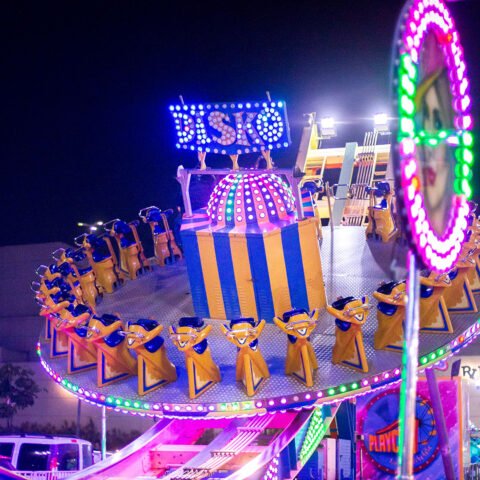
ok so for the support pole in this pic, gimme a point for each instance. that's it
(183, 178)
(295, 186)
(104, 433)
(441, 426)
(79, 418)
(408, 391)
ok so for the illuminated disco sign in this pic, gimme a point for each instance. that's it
(232, 128)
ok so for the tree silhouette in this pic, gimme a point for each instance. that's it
(18, 391)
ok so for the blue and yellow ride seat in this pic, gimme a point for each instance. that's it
(155, 215)
(100, 248)
(123, 228)
(426, 291)
(57, 282)
(147, 324)
(340, 305)
(452, 274)
(192, 322)
(250, 321)
(381, 190)
(115, 338)
(76, 311)
(386, 289)
(195, 322)
(288, 315)
(80, 259)
(62, 297)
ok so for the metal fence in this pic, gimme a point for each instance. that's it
(46, 475)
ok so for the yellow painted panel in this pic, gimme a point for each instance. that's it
(277, 272)
(312, 264)
(243, 276)
(211, 278)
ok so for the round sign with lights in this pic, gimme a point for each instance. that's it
(433, 157)
(380, 432)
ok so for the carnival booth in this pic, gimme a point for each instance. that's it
(252, 346)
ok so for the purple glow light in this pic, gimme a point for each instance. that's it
(438, 253)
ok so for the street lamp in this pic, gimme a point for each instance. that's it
(93, 227)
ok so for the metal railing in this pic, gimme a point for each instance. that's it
(47, 475)
(472, 472)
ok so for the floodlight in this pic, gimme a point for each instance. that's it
(327, 127)
(380, 122)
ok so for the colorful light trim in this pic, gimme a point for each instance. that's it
(272, 470)
(231, 128)
(240, 200)
(437, 253)
(317, 428)
(254, 407)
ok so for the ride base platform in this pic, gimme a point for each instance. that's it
(349, 268)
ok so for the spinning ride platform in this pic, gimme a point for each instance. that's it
(349, 268)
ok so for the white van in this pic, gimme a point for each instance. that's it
(33, 454)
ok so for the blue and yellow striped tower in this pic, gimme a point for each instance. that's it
(248, 256)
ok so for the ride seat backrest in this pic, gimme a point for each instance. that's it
(426, 291)
(155, 343)
(79, 259)
(154, 215)
(125, 230)
(146, 323)
(236, 321)
(100, 248)
(291, 313)
(193, 322)
(342, 302)
(387, 308)
(107, 319)
(386, 288)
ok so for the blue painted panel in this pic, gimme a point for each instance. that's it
(195, 274)
(294, 266)
(261, 279)
(227, 276)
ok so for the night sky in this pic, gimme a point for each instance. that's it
(86, 87)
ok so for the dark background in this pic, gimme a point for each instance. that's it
(85, 89)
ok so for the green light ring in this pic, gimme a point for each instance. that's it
(253, 407)
(424, 16)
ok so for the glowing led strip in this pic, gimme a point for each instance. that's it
(317, 429)
(438, 253)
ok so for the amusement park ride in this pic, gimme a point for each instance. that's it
(245, 349)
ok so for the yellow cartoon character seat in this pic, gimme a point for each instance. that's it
(154, 367)
(132, 257)
(301, 361)
(85, 274)
(166, 248)
(350, 314)
(190, 337)
(390, 316)
(434, 316)
(114, 361)
(251, 367)
(103, 260)
(73, 322)
(381, 221)
(53, 297)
